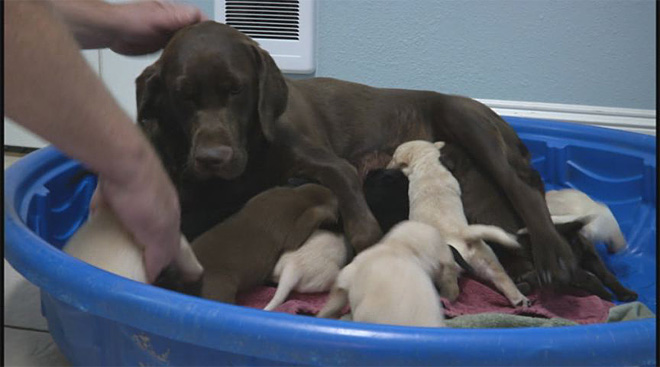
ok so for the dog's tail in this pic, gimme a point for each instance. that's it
(288, 280)
(336, 301)
(476, 232)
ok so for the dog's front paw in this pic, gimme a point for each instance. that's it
(553, 259)
(626, 296)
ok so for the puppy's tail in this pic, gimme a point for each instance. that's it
(336, 301)
(476, 232)
(288, 280)
(605, 228)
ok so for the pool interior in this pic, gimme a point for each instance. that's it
(626, 183)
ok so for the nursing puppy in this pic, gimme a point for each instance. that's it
(241, 252)
(103, 241)
(435, 198)
(312, 268)
(563, 204)
(386, 193)
(392, 282)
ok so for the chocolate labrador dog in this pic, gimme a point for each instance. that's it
(485, 203)
(228, 125)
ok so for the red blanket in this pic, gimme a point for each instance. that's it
(474, 298)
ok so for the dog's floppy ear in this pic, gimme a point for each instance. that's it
(273, 92)
(149, 92)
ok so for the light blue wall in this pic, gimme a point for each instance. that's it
(591, 52)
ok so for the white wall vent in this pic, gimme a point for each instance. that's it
(285, 28)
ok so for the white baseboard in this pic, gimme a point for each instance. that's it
(640, 121)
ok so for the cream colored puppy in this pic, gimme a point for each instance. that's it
(565, 205)
(392, 282)
(103, 241)
(435, 198)
(312, 268)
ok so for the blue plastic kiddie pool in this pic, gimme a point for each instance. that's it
(97, 318)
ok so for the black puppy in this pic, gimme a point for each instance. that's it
(386, 192)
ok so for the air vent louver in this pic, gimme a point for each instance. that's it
(285, 28)
(265, 19)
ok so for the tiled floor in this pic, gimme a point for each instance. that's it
(27, 341)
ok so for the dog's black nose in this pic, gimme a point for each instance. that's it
(213, 157)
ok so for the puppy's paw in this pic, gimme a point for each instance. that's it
(524, 303)
(450, 291)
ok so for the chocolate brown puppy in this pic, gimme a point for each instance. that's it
(241, 252)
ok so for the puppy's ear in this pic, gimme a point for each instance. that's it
(273, 92)
(149, 91)
(439, 144)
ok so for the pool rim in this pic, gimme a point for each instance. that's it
(236, 329)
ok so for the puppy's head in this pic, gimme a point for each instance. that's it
(407, 153)
(215, 91)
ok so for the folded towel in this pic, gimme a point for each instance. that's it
(629, 312)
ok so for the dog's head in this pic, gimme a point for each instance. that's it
(407, 153)
(212, 92)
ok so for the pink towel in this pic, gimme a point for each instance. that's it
(474, 298)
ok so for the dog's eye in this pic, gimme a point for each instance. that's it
(236, 89)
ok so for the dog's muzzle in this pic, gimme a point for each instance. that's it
(213, 158)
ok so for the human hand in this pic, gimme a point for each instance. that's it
(144, 27)
(148, 207)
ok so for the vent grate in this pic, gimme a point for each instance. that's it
(270, 19)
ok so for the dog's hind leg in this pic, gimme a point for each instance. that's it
(592, 262)
(590, 283)
(219, 287)
(337, 299)
(288, 280)
(495, 147)
(487, 267)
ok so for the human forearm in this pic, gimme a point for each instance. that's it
(61, 99)
(90, 21)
